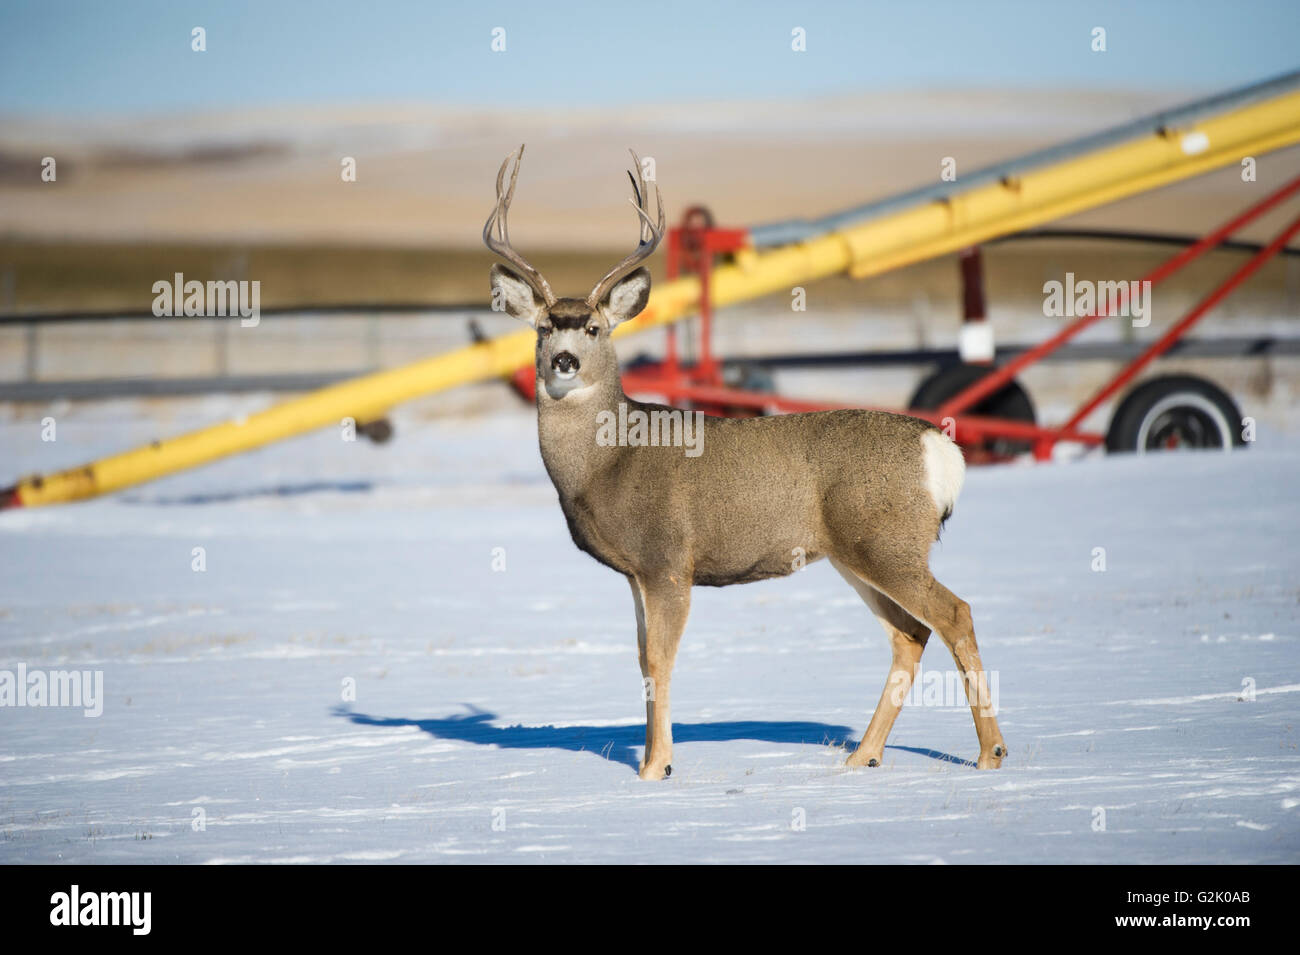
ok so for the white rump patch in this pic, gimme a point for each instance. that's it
(945, 469)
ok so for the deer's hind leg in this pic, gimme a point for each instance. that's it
(913, 588)
(907, 637)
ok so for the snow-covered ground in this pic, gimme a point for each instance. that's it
(497, 713)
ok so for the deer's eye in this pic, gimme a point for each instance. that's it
(544, 330)
(593, 330)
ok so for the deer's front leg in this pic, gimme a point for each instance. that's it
(662, 604)
(644, 661)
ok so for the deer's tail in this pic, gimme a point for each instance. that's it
(945, 470)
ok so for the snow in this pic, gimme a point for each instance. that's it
(497, 713)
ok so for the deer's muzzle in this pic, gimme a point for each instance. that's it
(565, 364)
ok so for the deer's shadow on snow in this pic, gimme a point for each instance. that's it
(620, 744)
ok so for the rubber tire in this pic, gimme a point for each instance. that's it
(1159, 396)
(379, 430)
(747, 376)
(1011, 401)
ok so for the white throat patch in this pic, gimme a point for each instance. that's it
(571, 385)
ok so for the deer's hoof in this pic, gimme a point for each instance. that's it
(649, 771)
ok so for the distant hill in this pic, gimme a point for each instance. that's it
(425, 174)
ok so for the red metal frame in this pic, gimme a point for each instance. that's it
(694, 244)
(991, 383)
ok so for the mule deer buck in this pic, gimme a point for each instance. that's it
(865, 489)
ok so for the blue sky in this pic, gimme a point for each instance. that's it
(78, 56)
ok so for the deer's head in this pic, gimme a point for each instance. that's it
(574, 349)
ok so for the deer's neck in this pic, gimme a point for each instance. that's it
(567, 428)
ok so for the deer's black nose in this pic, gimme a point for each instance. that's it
(566, 363)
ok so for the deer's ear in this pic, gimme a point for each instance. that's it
(627, 298)
(512, 295)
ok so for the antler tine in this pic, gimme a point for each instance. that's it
(649, 233)
(648, 230)
(498, 222)
(637, 203)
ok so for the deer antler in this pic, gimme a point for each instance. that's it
(650, 233)
(500, 242)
